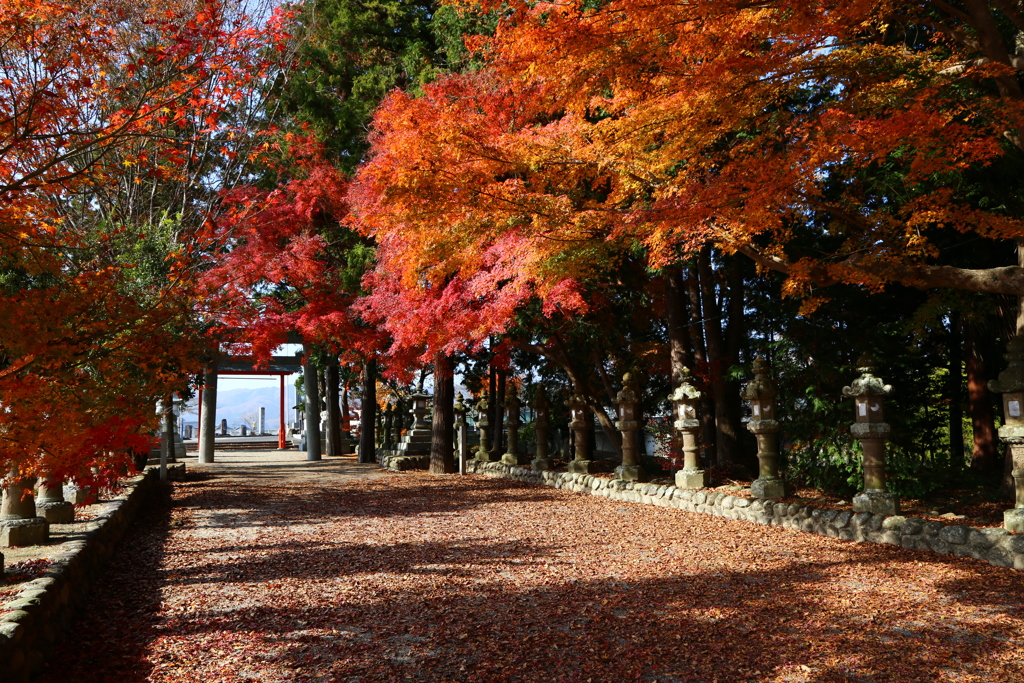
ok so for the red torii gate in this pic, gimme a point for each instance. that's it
(279, 365)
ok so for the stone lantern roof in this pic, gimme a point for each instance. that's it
(867, 384)
(762, 387)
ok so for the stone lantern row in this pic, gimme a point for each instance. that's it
(761, 393)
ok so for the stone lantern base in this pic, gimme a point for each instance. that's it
(57, 512)
(513, 459)
(541, 464)
(877, 502)
(691, 479)
(486, 456)
(1013, 520)
(583, 466)
(631, 473)
(768, 488)
(77, 495)
(21, 532)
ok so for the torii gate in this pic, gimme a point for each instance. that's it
(233, 365)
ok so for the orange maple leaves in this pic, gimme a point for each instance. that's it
(598, 129)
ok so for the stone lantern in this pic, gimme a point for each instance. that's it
(512, 405)
(580, 424)
(629, 424)
(418, 438)
(686, 397)
(761, 393)
(541, 422)
(1011, 385)
(483, 422)
(419, 411)
(462, 432)
(870, 428)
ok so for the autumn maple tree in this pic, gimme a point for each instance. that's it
(96, 100)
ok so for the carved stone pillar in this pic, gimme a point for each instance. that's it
(512, 406)
(541, 423)
(580, 424)
(483, 408)
(629, 424)
(686, 398)
(871, 429)
(761, 393)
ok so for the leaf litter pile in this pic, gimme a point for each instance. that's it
(414, 577)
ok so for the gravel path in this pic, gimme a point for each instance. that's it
(263, 567)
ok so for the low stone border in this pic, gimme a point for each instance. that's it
(401, 463)
(34, 619)
(995, 546)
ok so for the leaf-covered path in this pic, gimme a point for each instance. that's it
(267, 568)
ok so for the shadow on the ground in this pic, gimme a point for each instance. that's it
(710, 624)
(120, 616)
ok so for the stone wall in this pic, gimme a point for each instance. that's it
(995, 546)
(36, 617)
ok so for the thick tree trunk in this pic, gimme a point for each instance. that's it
(700, 361)
(956, 380)
(679, 352)
(208, 422)
(726, 446)
(985, 457)
(999, 280)
(442, 455)
(368, 417)
(331, 382)
(311, 384)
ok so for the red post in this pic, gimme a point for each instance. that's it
(281, 443)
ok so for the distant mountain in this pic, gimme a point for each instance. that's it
(235, 404)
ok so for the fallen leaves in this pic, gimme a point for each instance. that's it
(342, 579)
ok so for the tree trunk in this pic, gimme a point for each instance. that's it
(725, 429)
(735, 348)
(333, 411)
(956, 380)
(442, 455)
(679, 352)
(368, 417)
(985, 458)
(208, 421)
(311, 383)
(700, 363)
(498, 419)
